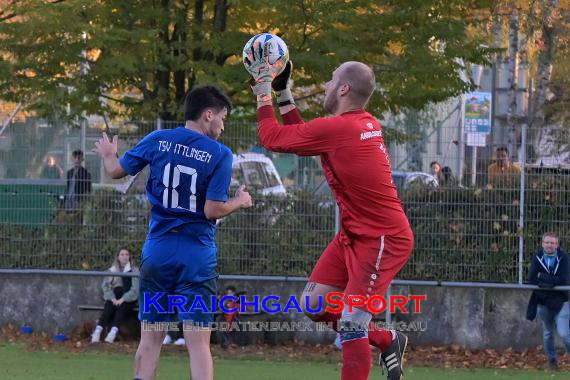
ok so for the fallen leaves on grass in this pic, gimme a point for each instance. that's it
(454, 356)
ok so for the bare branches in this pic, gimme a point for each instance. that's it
(125, 100)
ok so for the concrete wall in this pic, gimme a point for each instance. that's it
(474, 318)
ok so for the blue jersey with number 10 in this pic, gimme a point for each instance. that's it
(186, 168)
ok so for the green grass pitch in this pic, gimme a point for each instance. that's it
(18, 364)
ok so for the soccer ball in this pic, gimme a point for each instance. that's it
(266, 45)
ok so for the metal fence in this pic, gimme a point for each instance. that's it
(468, 225)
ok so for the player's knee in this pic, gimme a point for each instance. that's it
(354, 325)
(144, 349)
(150, 340)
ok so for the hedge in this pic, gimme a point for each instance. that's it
(464, 234)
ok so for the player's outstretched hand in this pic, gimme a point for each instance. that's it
(260, 69)
(244, 197)
(104, 147)
(261, 73)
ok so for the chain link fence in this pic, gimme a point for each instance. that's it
(471, 222)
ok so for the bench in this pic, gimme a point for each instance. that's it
(98, 307)
(131, 329)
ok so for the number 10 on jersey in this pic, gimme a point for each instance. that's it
(173, 183)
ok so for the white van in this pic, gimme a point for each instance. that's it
(256, 172)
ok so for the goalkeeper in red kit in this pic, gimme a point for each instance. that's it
(375, 239)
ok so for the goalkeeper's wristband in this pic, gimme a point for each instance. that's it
(262, 91)
(285, 103)
(285, 98)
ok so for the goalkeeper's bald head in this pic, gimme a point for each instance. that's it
(361, 80)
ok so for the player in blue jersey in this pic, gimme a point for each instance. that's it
(187, 187)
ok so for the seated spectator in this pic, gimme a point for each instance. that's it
(229, 317)
(175, 336)
(120, 295)
(503, 174)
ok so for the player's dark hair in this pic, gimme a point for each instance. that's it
(433, 163)
(77, 153)
(202, 98)
(503, 149)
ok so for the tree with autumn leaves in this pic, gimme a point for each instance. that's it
(137, 59)
(533, 41)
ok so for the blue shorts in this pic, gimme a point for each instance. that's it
(177, 264)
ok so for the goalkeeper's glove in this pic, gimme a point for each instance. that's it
(262, 86)
(282, 86)
(261, 72)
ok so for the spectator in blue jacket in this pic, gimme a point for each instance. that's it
(550, 268)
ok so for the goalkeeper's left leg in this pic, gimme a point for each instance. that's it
(353, 329)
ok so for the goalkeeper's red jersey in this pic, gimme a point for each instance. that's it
(355, 163)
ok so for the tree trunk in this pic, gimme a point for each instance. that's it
(221, 15)
(522, 93)
(163, 74)
(545, 39)
(548, 32)
(198, 20)
(512, 64)
(179, 39)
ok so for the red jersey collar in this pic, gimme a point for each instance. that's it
(358, 110)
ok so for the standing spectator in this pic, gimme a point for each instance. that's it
(447, 177)
(550, 268)
(435, 168)
(503, 173)
(52, 170)
(120, 295)
(78, 182)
